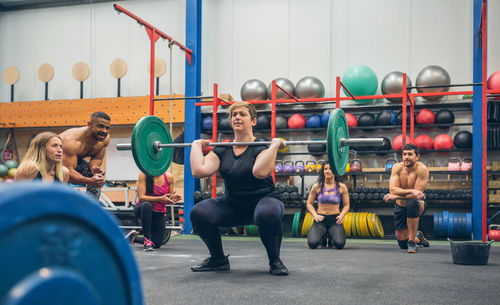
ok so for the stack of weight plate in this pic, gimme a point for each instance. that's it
(453, 225)
(363, 225)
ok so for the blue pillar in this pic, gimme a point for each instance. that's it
(192, 114)
(477, 130)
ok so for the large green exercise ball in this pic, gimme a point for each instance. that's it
(360, 80)
(4, 170)
(11, 164)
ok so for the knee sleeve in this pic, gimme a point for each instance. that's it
(412, 208)
(403, 244)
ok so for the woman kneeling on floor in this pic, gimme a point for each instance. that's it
(331, 195)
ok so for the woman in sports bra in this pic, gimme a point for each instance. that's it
(43, 160)
(153, 193)
(332, 196)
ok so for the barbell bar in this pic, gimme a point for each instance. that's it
(152, 146)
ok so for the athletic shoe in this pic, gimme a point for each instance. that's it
(277, 268)
(212, 264)
(131, 237)
(412, 248)
(148, 245)
(423, 241)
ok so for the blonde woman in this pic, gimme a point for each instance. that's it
(43, 160)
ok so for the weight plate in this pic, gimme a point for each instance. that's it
(461, 225)
(371, 226)
(362, 224)
(445, 225)
(440, 224)
(353, 225)
(347, 224)
(147, 131)
(295, 224)
(435, 219)
(337, 129)
(378, 226)
(450, 225)
(469, 225)
(365, 224)
(61, 228)
(308, 221)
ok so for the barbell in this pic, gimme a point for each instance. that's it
(152, 146)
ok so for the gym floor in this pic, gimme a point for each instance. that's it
(365, 272)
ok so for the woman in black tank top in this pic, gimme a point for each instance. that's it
(43, 160)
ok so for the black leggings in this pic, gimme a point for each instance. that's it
(318, 231)
(153, 223)
(267, 214)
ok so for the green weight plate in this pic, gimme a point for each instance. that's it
(295, 224)
(147, 131)
(338, 156)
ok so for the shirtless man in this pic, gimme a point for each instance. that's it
(90, 141)
(406, 186)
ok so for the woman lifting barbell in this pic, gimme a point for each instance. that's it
(328, 218)
(250, 193)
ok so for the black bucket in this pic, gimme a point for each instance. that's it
(470, 252)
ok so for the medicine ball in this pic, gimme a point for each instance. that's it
(281, 122)
(386, 117)
(313, 121)
(206, 123)
(425, 116)
(223, 123)
(317, 149)
(443, 141)
(325, 117)
(366, 119)
(297, 121)
(444, 116)
(384, 149)
(263, 121)
(423, 142)
(399, 118)
(397, 143)
(463, 139)
(351, 120)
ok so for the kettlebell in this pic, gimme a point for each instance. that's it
(278, 166)
(319, 165)
(310, 166)
(288, 167)
(494, 232)
(466, 164)
(356, 166)
(348, 167)
(454, 165)
(389, 164)
(299, 167)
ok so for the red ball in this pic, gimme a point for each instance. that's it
(493, 82)
(423, 142)
(425, 116)
(397, 143)
(297, 121)
(352, 121)
(443, 141)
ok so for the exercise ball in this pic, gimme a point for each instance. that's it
(12, 172)
(284, 150)
(443, 141)
(423, 142)
(493, 82)
(263, 121)
(433, 76)
(281, 122)
(224, 123)
(385, 148)
(313, 121)
(253, 90)
(283, 83)
(366, 119)
(444, 116)
(4, 170)
(11, 164)
(386, 117)
(297, 121)
(206, 123)
(360, 80)
(393, 84)
(397, 143)
(352, 121)
(8, 181)
(317, 149)
(425, 117)
(309, 87)
(463, 139)
(325, 118)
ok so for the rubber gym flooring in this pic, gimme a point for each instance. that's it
(365, 272)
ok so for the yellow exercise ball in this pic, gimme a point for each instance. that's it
(12, 172)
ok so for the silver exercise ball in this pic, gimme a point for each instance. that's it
(433, 76)
(253, 90)
(309, 87)
(393, 84)
(283, 83)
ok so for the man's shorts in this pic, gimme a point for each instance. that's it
(400, 216)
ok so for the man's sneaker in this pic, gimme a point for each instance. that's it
(423, 241)
(148, 245)
(212, 264)
(131, 237)
(277, 268)
(412, 248)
